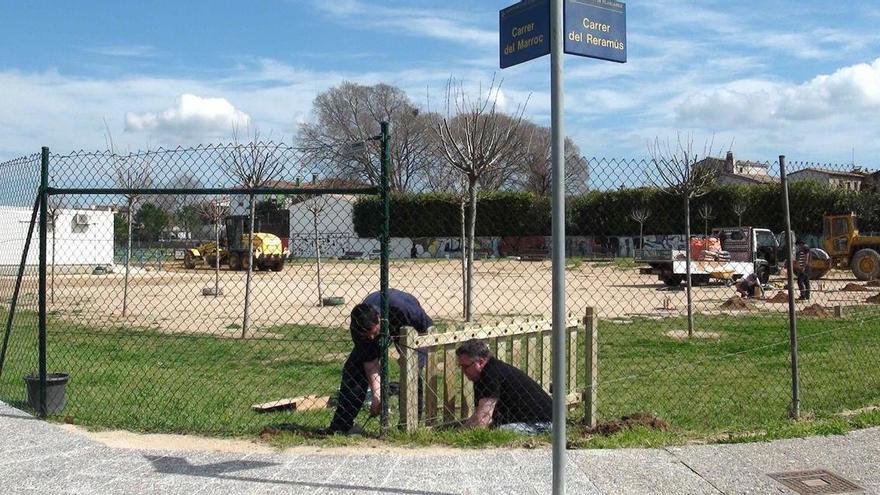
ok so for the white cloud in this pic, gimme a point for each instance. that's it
(853, 90)
(193, 116)
(456, 26)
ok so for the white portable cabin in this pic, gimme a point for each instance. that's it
(82, 237)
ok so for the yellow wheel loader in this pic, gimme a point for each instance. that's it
(849, 249)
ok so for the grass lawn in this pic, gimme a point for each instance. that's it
(733, 388)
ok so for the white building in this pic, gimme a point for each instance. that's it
(334, 214)
(730, 171)
(81, 237)
(834, 178)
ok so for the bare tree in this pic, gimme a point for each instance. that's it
(739, 208)
(215, 211)
(441, 181)
(316, 207)
(641, 215)
(706, 213)
(131, 171)
(183, 207)
(251, 165)
(474, 136)
(532, 166)
(678, 174)
(352, 113)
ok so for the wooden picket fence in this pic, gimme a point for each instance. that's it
(525, 344)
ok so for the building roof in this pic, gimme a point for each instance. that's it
(758, 171)
(838, 173)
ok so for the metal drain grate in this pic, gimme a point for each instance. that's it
(816, 482)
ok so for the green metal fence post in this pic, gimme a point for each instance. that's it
(383, 269)
(44, 205)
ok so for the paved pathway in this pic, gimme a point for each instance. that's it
(37, 457)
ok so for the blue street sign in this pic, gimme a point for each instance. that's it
(525, 32)
(596, 29)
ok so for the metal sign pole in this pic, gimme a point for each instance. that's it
(795, 410)
(558, 244)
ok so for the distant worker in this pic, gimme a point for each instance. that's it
(505, 397)
(801, 267)
(750, 286)
(361, 370)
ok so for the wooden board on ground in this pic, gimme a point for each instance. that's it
(305, 403)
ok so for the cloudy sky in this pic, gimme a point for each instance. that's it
(793, 77)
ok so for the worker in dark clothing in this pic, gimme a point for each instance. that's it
(801, 267)
(505, 397)
(361, 370)
(750, 286)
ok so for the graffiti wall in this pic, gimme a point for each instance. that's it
(347, 246)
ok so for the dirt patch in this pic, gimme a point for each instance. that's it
(683, 335)
(644, 419)
(780, 297)
(738, 304)
(855, 412)
(854, 288)
(873, 299)
(128, 440)
(815, 311)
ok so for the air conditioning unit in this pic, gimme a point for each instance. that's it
(81, 219)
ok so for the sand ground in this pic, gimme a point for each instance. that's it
(171, 300)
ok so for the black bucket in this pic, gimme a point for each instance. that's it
(56, 391)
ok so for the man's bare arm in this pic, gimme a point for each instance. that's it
(371, 369)
(482, 417)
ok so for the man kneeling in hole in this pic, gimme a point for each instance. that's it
(506, 397)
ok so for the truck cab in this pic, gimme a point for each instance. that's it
(752, 245)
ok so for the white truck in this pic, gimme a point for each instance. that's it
(743, 251)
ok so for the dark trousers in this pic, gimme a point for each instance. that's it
(803, 282)
(352, 394)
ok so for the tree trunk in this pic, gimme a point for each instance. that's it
(641, 236)
(472, 230)
(462, 243)
(250, 271)
(740, 220)
(318, 260)
(687, 264)
(217, 256)
(127, 263)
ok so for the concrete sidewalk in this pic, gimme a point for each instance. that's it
(37, 457)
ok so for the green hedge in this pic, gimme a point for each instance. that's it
(608, 212)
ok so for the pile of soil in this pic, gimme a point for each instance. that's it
(816, 311)
(780, 297)
(873, 299)
(854, 288)
(737, 303)
(645, 419)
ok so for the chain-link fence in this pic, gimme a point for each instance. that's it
(169, 315)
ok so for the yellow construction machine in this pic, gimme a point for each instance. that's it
(269, 252)
(848, 248)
